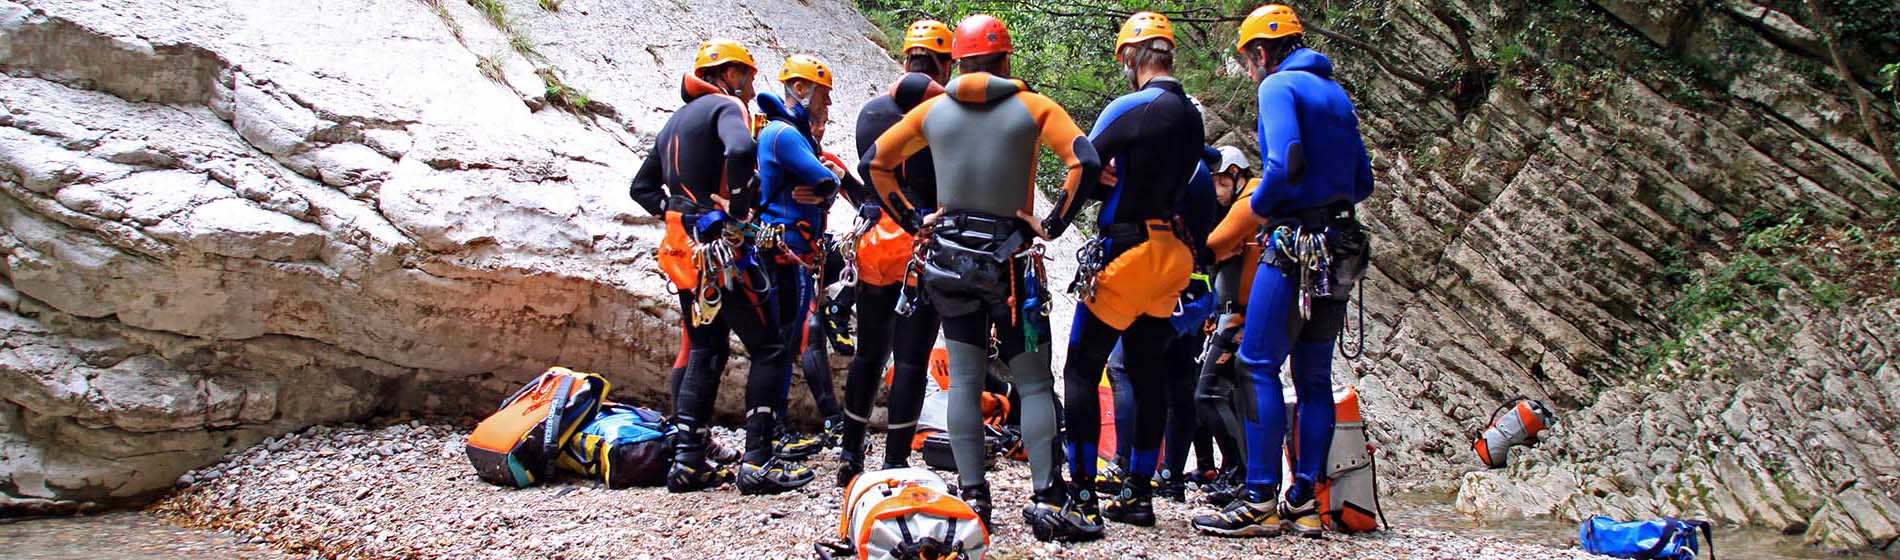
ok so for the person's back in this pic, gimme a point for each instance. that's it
(1324, 162)
(977, 270)
(917, 176)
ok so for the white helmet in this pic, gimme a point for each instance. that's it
(1231, 157)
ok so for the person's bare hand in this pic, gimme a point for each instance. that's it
(932, 218)
(721, 203)
(1035, 225)
(1108, 175)
(803, 194)
(835, 168)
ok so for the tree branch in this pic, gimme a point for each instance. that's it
(1824, 26)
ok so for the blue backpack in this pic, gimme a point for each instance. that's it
(624, 446)
(1657, 539)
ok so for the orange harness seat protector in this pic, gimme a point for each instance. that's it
(676, 254)
(883, 253)
(1145, 280)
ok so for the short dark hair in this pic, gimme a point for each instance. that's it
(1277, 48)
(1143, 55)
(925, 63)
(711, 72)
(982, 63)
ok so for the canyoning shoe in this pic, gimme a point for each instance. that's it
(1058, 515)
(683, 477)
(849, 468)
(1171, 486)
(1224, 489)
(721, 454)
(794, 446)
(977, 496)
(838, 323)
(1241, 519)
(1303, 519)
(775, 476)
(1134, 505)
(1109, 474)
(834, 432)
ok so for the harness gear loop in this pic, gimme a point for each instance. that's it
(1035, 301)
(1089, 260)
(1361, 344)
(908, 293)
(1310, 254)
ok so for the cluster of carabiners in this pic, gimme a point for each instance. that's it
(1089, 261)
(1034, 308)
(909, 291)
(1310, 253)
(847, 247)
(717, 273)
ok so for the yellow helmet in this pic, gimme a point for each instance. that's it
(806, 67)
(722, 51)
(928, 34)
(1142, 27)
(1271, 21)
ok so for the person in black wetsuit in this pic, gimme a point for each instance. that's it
(883, 252)
(698, 175)
(1152, 140)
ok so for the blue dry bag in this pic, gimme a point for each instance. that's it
(1660, 539)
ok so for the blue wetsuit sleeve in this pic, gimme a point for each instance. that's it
(1362, 183)
(796, 158)
(1279, 131)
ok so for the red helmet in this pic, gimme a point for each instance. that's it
(979, 35)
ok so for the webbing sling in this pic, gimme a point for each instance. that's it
(551, 427)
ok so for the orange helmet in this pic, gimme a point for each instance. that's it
(928, 34)
(1271, 21)
(805, 67)
(1143, 27)
(979, 35)
(722, 51)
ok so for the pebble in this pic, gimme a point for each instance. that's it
(420, 482)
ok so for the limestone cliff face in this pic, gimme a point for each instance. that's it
(1541, 216)
(224, 220)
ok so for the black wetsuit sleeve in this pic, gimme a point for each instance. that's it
(647, 189)
(741, 153)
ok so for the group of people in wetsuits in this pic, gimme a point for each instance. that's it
(1199, 280)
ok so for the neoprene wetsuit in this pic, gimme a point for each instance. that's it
(983, 135)
(706, 149)
(1316, 169)
(789, 157)
(881, 336)
(1154, 138)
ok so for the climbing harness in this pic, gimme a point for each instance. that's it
(721, 263)
(1089, 260)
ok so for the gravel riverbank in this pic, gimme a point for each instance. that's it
(406, 491)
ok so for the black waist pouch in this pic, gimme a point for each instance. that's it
(967, 262)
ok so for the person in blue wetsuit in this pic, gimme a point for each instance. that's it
(1316, 171)
(796, 187)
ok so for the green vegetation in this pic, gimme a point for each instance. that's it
(1833, 263)
(562, 95)
(551, 5)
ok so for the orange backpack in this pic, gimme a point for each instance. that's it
(1348, 494)
(517, 444)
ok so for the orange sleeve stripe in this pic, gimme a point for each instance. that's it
(895, 146)
(1060, 133)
